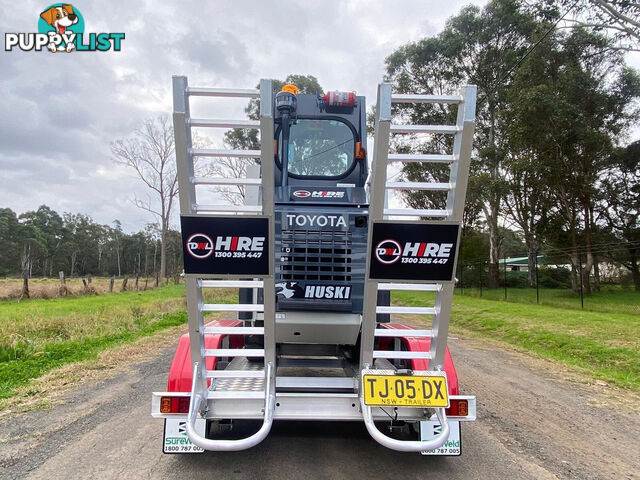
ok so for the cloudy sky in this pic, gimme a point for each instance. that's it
(61, 111)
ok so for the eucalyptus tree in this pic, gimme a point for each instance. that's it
(478, 46)
(571, 104)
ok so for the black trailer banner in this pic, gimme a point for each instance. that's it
(225, 245)
(414, 252)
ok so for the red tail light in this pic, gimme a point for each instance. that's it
(174, 404)
(458, 408)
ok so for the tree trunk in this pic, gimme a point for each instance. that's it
(163, 252)
(118, 255)
(586, 275)
(25, 287)
(494, 258)
(25, 260)
(155, 258)
(531, 265)
(74, 255)
(494, 205)
(586, 280)
(574, 272)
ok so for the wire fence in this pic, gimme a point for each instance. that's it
(553, 278)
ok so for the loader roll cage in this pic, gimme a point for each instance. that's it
(226, 377)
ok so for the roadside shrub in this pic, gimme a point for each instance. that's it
(517, 279)
(554, 277)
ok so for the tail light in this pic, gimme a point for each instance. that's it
(458, 408)
(174, 404)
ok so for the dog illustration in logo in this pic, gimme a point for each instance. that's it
(285, 290)
(60, 18)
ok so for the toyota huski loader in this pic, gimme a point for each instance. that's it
(315, 253)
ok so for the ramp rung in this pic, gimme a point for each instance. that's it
(235, 373)
(402, 332)
(315, 382)
(420, 157)
(404, 355)
(232, 307)
(207, 152)
(235, 394)
(223, 92)
(446, 129)
(419, 98)
(433, 186)
(416, 212)
(234, 330)
(418, 287)
(222, 123)
(225, 181)
(231, 283)
(234, 352)
(407, 310)
(229, 208)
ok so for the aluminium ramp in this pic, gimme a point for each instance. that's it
(198, 217)
(387, 252)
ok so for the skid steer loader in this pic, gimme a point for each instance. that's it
(315, 253)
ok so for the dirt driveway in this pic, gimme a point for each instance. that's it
(535, 421)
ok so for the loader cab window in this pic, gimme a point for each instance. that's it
(320, 148)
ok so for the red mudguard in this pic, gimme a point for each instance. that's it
(180, 375)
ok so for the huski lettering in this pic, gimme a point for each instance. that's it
(329, 292)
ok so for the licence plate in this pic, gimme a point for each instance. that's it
(406, 390)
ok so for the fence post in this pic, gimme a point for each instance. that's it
(481, 268)
(505, 278)
(461, 282)
(580, 275)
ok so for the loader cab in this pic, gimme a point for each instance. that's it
(321, 216)
(320, 144)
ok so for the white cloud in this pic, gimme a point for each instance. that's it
(61, 111)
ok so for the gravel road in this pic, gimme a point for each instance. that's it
(533, 423)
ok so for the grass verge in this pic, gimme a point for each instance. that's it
(605, 345)
(610, 298)
(37, 336)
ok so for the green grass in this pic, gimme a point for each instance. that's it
(37, 336)
(612, 299)
(605, 345)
